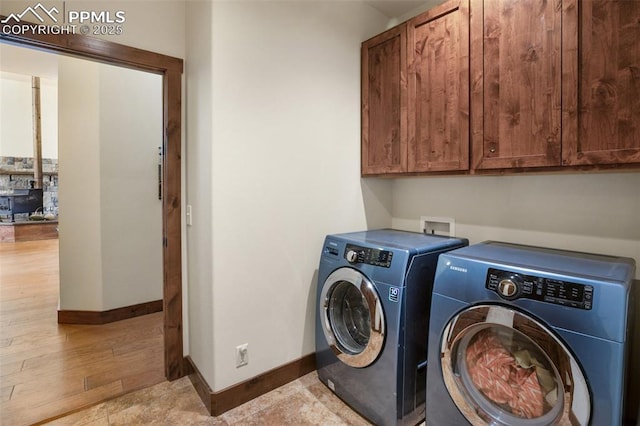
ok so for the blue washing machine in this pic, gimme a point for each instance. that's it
(522, 335)
(373, 294)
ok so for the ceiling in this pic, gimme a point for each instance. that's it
(397, 8)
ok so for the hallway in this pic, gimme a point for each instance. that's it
(47, 369)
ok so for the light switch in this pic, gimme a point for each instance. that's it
(189, 215)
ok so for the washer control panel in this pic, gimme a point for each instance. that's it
(367, 255)
(511, 286)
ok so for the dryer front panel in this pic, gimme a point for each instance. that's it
(503, 367)
(352, 317)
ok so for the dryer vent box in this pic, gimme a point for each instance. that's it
(438, 225)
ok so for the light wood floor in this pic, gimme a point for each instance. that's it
(47, 369)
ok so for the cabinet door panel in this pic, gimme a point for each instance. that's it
(438, 59)
(516, 74)
(384, 113)
(601, 122)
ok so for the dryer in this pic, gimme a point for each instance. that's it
(528, 336)
(373, 294)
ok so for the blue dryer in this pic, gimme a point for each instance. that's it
(522, 335)
(373, 294)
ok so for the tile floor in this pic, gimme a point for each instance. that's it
(305, 401)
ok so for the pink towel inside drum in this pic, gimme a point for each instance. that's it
(495, 372)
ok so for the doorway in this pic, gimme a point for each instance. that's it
(171, 70)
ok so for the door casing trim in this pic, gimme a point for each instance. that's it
(171, 69)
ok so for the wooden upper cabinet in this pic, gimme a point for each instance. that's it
(438, 85)
(516, 83)
(490, 85)
(601, 72)
(384, 111)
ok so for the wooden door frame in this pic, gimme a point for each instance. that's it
(171, 69)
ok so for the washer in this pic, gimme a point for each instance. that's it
(528, 336)
(372, 315)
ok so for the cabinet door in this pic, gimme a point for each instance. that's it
(516, 83)
(601, 94)
(438, 110)
(384, 112)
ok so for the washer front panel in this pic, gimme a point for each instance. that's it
(352, 317)
(503, 367)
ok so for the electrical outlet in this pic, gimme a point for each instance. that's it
(242, 355)
(438, 226)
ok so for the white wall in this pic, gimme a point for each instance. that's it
(131, 213)
(79, 186)
(591, 212)
(16, 116)
(200, 260)
(110, 216)
(281, 135)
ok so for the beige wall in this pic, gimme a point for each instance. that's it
(80, 236)
(590, 212)
(110, 215)
(279, 129)
(16, 113)
(131, 213)
(199, 242)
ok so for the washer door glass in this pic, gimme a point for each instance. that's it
(352, 319)
(502, 367)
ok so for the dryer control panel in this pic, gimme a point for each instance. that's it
(512, 285)
(368, 255)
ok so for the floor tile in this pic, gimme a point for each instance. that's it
(303, 402)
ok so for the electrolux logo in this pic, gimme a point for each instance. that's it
(52, 21)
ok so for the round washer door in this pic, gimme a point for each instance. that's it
(503, 367)
(352, 317)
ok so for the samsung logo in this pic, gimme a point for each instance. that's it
(457, 268)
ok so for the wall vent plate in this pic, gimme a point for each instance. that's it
(438, 225)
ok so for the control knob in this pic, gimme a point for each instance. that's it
(352, 256)
(508, 288)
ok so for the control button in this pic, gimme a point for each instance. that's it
(352, 256)
(507, 288)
